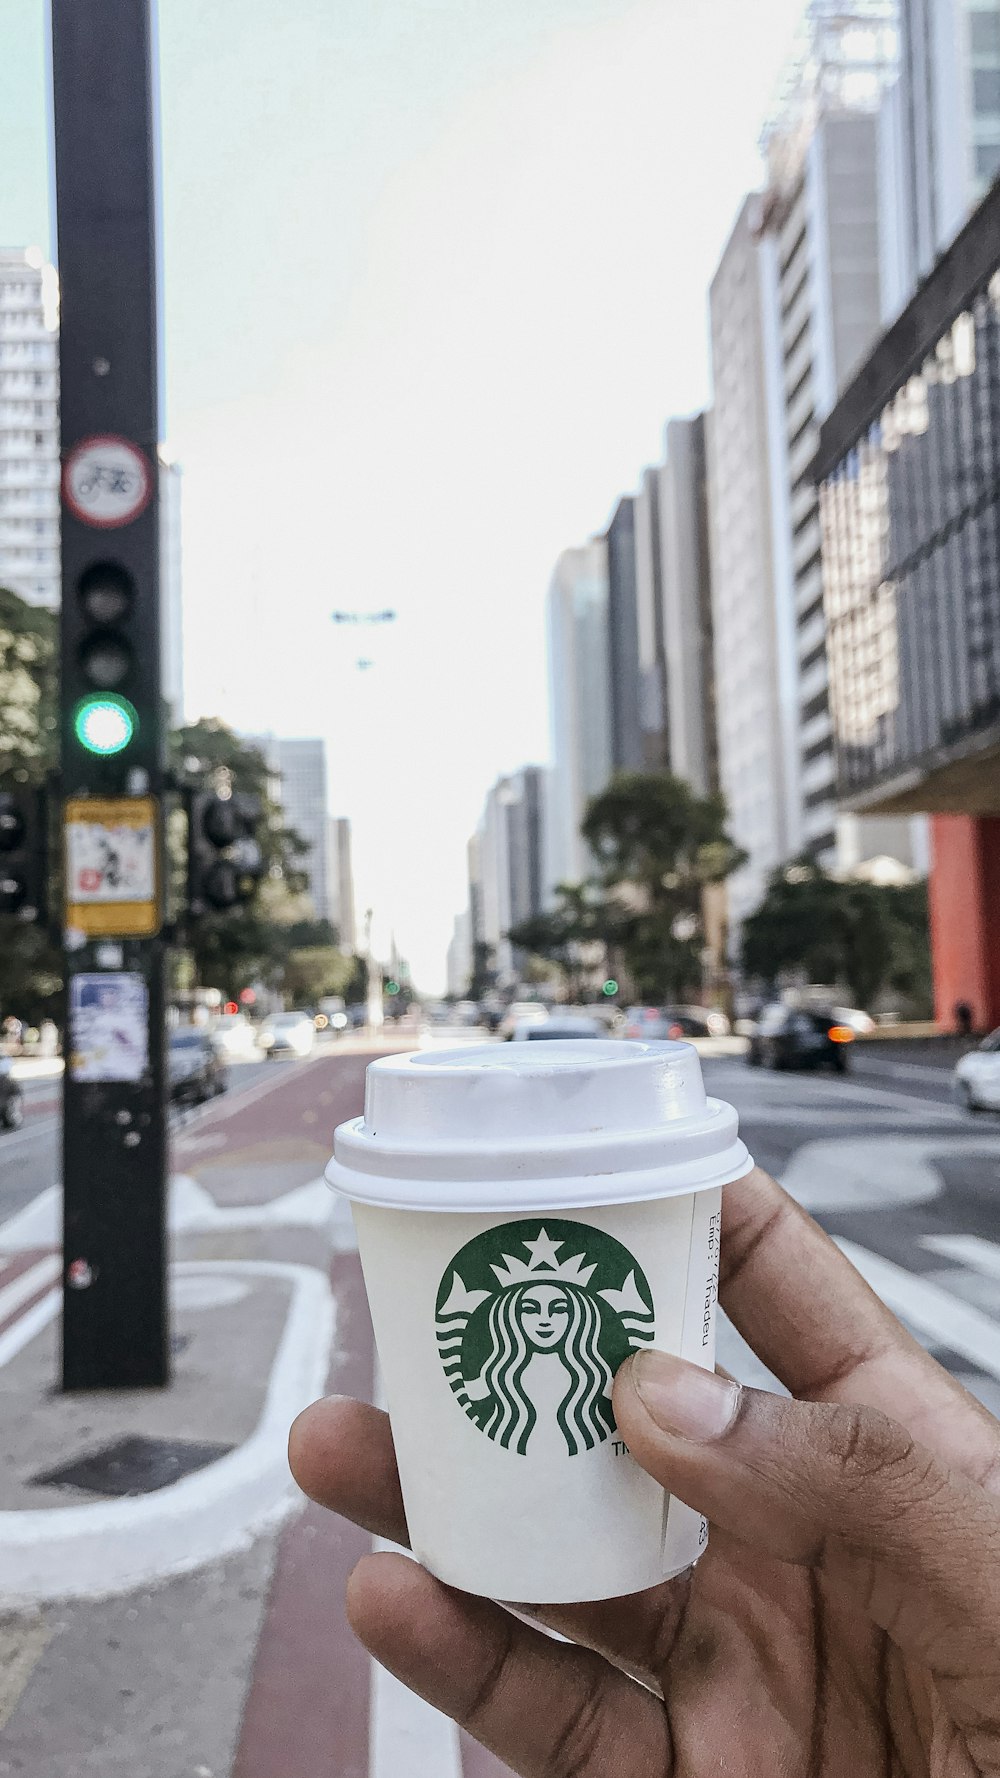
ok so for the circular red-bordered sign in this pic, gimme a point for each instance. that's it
(107, 481)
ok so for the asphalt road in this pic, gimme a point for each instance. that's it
(245, 1668)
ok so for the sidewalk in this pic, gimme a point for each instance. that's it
(169, 1606)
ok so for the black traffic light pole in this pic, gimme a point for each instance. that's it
(115, 1324)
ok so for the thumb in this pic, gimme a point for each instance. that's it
(844, 1490)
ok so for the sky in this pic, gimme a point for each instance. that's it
(435, 276)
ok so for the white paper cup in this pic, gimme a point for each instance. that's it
(527, 1215)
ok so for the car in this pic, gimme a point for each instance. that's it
(195, 1069)
(287, 1034)
(799, 1037)
(11, 1096)
(977, 1075)
(861, 1023)
(549, 1029)
(519, 1012)
(234, 1036)
(695, 1021)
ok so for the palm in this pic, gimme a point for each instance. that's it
(764, 1670)
(845, 1619)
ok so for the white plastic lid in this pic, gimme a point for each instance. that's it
(524, 1126)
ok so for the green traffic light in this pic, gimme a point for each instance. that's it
(105, 725)
(610, 987)
(392, 987)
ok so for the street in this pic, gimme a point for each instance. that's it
(244, 1666)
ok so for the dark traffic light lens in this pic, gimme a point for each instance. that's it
(222, 886)
(11, 824)
(106, 660)
(106, 593)
(221, 822)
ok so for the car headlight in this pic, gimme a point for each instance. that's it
(266, 1040)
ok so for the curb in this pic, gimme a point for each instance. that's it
(105, 1548)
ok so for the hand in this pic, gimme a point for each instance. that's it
(845, 1620)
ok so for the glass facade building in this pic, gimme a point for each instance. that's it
(909, 466)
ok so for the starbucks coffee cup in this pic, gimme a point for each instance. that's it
(527, 1216)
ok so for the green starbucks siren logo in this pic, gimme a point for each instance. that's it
(530, 1295)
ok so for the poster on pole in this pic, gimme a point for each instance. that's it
(109, 1026)
(111, 866)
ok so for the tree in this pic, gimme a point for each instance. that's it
(314, 971)
(30, 965)
(658, 845)
(863, 937)
(581, 919)
(29, 688)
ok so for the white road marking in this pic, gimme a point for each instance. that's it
(107, 1547)
(935, 1312)
(21, 1648)
(408, 1738)
(22, 1289)
(191, 1210)
(968, 1250)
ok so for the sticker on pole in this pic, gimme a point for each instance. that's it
(109, 1027)
(107, 481)
(111, 870)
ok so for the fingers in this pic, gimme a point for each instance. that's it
(842, 1489)
(341, 1454)
(548, 1710)
(816, 1324)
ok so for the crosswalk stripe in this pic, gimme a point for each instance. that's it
(28, 1284)
(967, 1250)
(935, 1312)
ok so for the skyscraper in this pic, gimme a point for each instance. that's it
(299, 769)
(343, 915)
(579, 705)
(689, 745)
(508, 859)
(29, 426)
(820, 241)
(623, 641)
(755, 670)
(940, 134)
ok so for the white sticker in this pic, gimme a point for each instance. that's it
(107, 481)
(109, 1027)
(106, 863)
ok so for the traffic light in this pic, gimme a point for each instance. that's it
(610, 987)
(224, 853)
(110, 668)
(23, 853)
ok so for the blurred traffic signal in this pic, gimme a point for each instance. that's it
(23, 853)
(225, 859)
(610, 987)
(392, 989)
(111, 699)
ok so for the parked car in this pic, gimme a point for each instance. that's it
(548, 1029)
(977, 1076)
(11, 1096)
(799, 1037)
(288, 1034)
(657, 1024)
(195, 1068)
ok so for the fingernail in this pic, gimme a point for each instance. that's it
(683, 1398)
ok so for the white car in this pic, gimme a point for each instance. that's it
(234, 1037)
(520, 1012)
(556, 1029)
(977, 1076)
(288, 1034)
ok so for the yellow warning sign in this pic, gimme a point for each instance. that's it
(112, 867)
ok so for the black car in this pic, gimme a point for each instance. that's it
(195, 1068)
(799, 1037)
(11, 1097)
